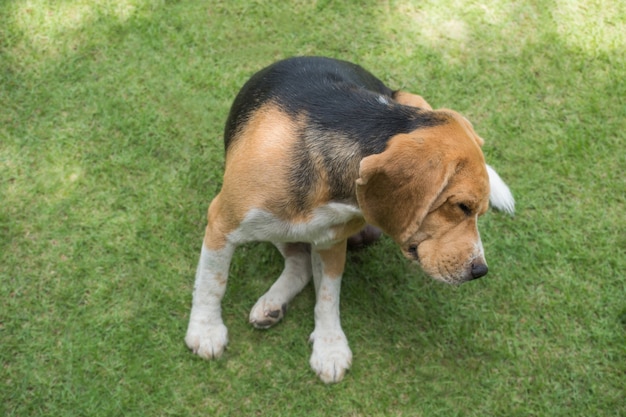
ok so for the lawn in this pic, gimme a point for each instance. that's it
(111, 116)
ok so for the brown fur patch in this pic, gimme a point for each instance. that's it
(257, 168)
(217, 226)
(255, 175)
(220, 279)
(409, 99)
(293, 249)
(257, 162)
(344, 231)
(333, 259)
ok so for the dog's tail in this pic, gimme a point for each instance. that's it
(501, 197)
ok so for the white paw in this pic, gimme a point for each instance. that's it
(267, 312)
(207, 341)
(331, 356)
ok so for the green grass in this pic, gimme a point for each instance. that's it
(111, 116)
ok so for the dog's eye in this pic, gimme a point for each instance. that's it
(465, 208)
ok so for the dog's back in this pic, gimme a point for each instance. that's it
(341, 113)
(305, 84)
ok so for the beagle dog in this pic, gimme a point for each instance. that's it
(316, 148)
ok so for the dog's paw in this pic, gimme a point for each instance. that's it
(267, 312)
(208, 342)
(331, 356)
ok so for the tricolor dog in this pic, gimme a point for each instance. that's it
(317, 148)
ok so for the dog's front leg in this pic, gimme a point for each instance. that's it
(331, 356)
(207, 335)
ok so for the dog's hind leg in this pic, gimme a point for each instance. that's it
(207, 335)
(271, 307)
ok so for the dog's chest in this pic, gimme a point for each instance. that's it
(324, 227)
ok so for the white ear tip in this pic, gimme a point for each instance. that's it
(501, 197)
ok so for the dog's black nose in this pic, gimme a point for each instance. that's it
(479, 270)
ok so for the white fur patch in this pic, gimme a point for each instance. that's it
(501, 197)
(383, 100)
(260, 225)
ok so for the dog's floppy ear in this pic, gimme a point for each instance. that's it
(396, 188)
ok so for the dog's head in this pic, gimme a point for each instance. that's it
(426, 191)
